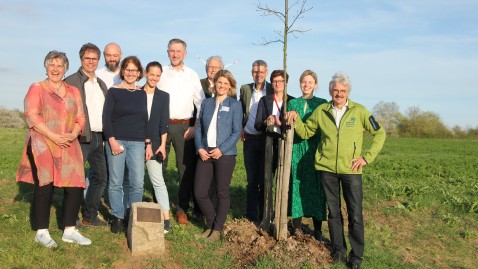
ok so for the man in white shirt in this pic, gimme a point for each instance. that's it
(254, 141)
(185, 92)
(110, 72)
(93, 91)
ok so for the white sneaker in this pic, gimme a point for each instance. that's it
(76, 238)
(45, 240)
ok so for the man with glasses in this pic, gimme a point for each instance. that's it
(339, 161)
(93, 92)
(185, 92)
(110, 72)
(213, 65)
(254, 141)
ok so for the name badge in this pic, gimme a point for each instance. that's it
(225, 108)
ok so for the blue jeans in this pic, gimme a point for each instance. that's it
(254, 163)
(94, 153)
(155, 172)
(132, 158)
(351, 185)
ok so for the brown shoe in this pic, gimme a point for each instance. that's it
(204, 234)
(182, 218)
(214, 236)
(95, 222)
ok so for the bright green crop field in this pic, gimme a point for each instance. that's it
(420, 207)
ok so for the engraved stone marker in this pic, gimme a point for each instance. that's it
(146, 229)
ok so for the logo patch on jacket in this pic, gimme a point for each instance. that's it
(351, 122)
(374, 123)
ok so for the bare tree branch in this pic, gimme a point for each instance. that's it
(289, 29)
(267, 11)
(299, 14)
(266, 42)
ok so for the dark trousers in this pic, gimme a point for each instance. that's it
(43, 196)
(94, 153)
(254, 163)
(185, 162)
(221, 169)
(352, 190)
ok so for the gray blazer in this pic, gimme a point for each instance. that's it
(78, 80)
(245, 98)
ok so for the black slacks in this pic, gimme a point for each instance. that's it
(351, 185)
(43, 196)
(222, 170)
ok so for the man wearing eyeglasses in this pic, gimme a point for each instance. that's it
(213, 64)
(110, 72)
(93, 92)
(254, 141)
(185, 92)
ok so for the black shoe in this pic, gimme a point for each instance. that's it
(355, 265)
(167, 226)
(318, 236)
(116, 225)
(339, 258)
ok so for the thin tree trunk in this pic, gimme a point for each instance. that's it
(282, 189)
(268, 177)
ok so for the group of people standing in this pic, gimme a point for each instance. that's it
(101, 116)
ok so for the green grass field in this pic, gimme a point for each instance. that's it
(420, 206)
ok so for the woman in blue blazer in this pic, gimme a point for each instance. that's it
(217, 131)
(158, 126)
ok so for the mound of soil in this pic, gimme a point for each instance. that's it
(246, 243)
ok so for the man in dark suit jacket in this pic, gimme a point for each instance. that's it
(254, 141)
(93, 91)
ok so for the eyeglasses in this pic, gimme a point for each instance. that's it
(277, 82)
(339, 91)
(87, 59)
(214, 67)
(131, 71)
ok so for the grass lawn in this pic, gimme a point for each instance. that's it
(420, 207)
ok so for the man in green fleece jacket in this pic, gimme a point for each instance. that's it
(339, 160)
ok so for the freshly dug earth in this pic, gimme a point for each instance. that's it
(246, 243)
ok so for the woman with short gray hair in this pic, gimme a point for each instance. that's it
(52, 155)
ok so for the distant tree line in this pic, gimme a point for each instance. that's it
(417, 123)
(12, 118)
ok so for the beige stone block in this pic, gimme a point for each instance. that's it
(146, 229)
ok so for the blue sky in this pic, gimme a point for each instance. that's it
(413, 52)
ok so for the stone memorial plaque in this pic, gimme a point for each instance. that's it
(149, 214)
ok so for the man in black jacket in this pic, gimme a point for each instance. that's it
(93, 92)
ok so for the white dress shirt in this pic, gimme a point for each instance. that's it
(255, 97)
(276, 112)
(94, 102)
(149, 102)
(339, 113)
(212, 131)
(185, 91)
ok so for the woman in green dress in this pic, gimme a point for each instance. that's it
(306, 194)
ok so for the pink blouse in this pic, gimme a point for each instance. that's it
(63, 167)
